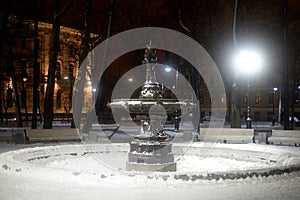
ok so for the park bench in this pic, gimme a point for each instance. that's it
(261, 135)
(53, 135)
(62, 117)
(13, 135)
(284, 137)
(226, 135)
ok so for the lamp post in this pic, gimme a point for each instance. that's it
(248, 119)
(248, 62)
(177, 113)
(168, 70)
(273, 109)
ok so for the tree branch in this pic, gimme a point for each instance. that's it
(63, 11)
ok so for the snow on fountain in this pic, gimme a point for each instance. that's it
(151, 150)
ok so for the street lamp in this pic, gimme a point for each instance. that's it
(248, 62)
(275, 89)
(176, 114)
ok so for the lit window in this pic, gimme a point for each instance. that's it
(257, 98)
(58, 70)
(223, 100)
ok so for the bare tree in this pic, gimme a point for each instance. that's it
(15, 88)
(84, 50)
(48, 104)
(36, 68)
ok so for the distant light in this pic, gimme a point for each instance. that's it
(248, 61)
(275, 89)
(130, 79)
(66, 77)
(168, 69)
(298, 87)
(94, 89)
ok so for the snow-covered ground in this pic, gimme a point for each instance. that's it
(97, 171)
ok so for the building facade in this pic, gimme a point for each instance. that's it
(17, 66)
(17, 63)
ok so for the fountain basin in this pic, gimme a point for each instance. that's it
(203, 170)
(201, 161)
(142, 106)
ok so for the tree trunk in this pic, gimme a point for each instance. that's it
(286, 94)
(84, 50)
(293, 93)
(235, 101)
(36, 68)
(1, 89)
(16, 96)
(48, 104)
(228, 102)
(235, 115)
(3, 30)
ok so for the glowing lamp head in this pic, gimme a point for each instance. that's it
(248, 61)
(168, 69)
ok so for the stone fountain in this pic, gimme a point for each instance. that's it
(151, 148)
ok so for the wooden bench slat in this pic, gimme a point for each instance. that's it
(226, 134)
(7, 139)
(230, 131)
(54, 139)
(284, 137)
(226, 137)
(284, 133)
(53, 135)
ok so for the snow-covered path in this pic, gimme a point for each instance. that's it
(276, 187)
(50, 179)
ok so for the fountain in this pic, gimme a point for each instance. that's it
(151, 149)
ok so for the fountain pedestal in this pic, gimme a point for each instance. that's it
(150, 156)
(151, 149)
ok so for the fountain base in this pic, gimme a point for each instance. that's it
(149, 155)
(164, 167)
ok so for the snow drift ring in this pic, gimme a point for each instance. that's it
(24, 162)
